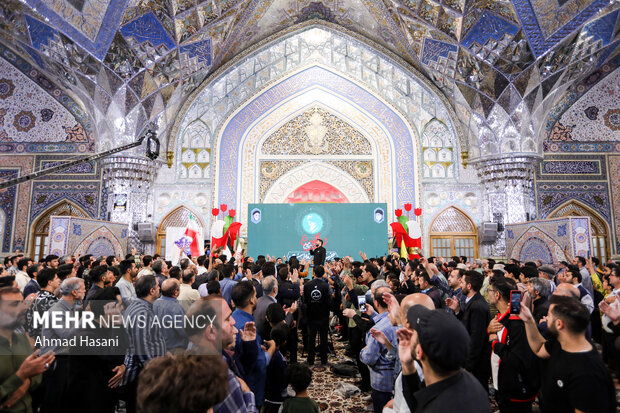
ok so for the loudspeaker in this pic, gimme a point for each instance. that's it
(146, 231)
(489, 231)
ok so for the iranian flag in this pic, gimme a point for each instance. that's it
(193, 231)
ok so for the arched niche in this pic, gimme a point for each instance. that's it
(599, 228)
(316, 171)
(39, 230)
(384, 171)
(178, 217)
(453, 232)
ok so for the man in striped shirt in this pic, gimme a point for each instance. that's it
(145, 337)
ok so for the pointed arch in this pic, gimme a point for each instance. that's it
(600, 230)
(39, 229)
(178, 217)
(453, 232)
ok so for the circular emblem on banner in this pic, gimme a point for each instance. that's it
(312, 223)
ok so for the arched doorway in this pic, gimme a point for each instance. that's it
(39, 240)
(600, 231)
(178, 217)
(454, 233)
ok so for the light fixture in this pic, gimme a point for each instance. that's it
(152, 145)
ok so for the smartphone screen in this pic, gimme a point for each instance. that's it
(361, 303)
(515, 302)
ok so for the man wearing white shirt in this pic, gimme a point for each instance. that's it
(21, 276)
(129, 274)
(188, 295)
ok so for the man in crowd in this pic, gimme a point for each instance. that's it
(319, 253)
(168, 307)
(187, 294)
(375, 356)
(539, 291)
(51, 261)
(100, 277)
(270, 290)
(49, 281)
(126, 283)
(160, 269)
(440, 343)
(219, 338)
(427, 288)
(475, 317)
(255, 371)
(20, 371)
(573, 276)
(574, 378)
(513, 365)
(228, 282)
(145, 341)
(455, 280)
(317, 298)
(146, 266)
(33, 285)
(21, 276)
(57, 389)
(185, 383)
(586, 278)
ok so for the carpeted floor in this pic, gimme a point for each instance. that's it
(325, 382)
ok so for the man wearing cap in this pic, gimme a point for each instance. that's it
(440, 343)
(547, 272)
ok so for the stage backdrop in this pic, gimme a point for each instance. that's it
(81, 236)
(546, 240)
(290, 229)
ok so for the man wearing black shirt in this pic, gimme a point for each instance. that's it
(574, 378)
(475, 318)
(319, 253)
(514, 368)
(317, 299)
(440, 343)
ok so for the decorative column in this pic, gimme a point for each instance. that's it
(509, 193)
(128, 184)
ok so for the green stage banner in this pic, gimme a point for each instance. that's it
(290, 229)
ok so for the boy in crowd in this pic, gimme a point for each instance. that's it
(275, 388)
(299, 376)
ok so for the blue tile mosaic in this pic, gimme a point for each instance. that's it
(488, 27)
(200, 50)
(540, 43)
(603, 28)
(148, 29)
(434, 49)
(105, 27)
(40, 33)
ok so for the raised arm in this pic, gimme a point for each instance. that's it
(534, 338)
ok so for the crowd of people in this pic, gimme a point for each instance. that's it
(423, 335)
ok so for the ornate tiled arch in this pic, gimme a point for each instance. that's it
(376, 133)
(231, 144)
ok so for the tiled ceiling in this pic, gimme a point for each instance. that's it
(139, 59)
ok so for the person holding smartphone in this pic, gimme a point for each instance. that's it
(514, 367)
